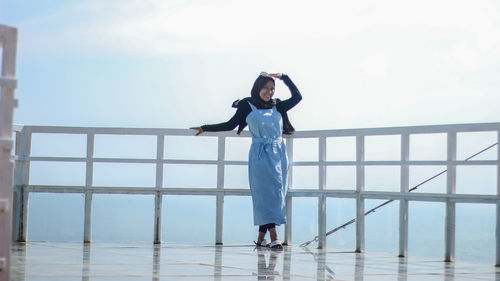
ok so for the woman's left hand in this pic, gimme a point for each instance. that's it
(198, 130)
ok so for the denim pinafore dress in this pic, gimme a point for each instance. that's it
(267, 166)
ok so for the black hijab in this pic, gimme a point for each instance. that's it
(259, 103)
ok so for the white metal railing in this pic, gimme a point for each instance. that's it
(23, 187)
(8, 84)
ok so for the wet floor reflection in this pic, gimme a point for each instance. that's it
(359, 267)
(18, 261)
(323, 271)
(266, 270)
(218, 263)
(449, 271)
(287, 259)
(402, 269)
(86, 262)
(42, 261)
(156, 262)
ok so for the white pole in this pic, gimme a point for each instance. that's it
(159, 184)
(89, 174)
(497, 262)
(288, 225)
(24, 182)
(403, 204)
(21, 180)
(450, 206)
(8, 36)
(360, 187)
(219, 219)
(322, 198)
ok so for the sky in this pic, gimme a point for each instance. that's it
(176, 64)
(181, 63)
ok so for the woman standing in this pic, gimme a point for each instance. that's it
(268, 163)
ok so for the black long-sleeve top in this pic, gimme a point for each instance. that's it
(244, 109)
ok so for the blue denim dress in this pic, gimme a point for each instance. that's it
(267, 166)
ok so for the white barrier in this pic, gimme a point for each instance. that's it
(8, 83)
(23, 186)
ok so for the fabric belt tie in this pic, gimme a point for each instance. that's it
(264, 142)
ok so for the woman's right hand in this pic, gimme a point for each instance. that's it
(198, 129)
(275, 75)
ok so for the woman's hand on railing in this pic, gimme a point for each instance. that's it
(198, 129)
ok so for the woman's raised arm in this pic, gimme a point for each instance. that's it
(296, 96)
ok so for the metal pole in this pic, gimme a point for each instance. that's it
(403, 204)
(89, 175)
(288, 225)
(360, 187)
(322, 198)
(23, 152)
(219, 219)
(497, 262)
(160, 147)
(450, 206)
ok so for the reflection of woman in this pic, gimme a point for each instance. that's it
(265, 272)
(268, 163)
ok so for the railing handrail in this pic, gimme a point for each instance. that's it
(421, 129)
(358, 193)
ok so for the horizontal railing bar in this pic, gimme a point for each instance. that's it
(397, 163)
(427, 197)
(457, 162)
(138, 190)
(126, 131)
(131, 160)
(207, 162)
(199, 162)
(430, 129)
(295, 163)
(324, 192)
(123, 160)
(432, 197)
(54, 159)
(96, 160)
(235, 162)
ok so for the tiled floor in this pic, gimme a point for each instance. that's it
(65, 261)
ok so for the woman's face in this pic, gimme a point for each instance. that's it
(267, 92)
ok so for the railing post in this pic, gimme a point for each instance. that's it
(360, 187)
(289, 205)
(450, 205)
(21, 181)
(219, 219)
(16, 195)
(18, 173)
(322, 198)
(160, 147)
(89, 179)
(497, 262)
(403, 203)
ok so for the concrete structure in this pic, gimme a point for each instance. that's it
(8, 83)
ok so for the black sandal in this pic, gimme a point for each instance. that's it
(262, 244)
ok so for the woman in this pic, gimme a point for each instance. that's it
(268, 163)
